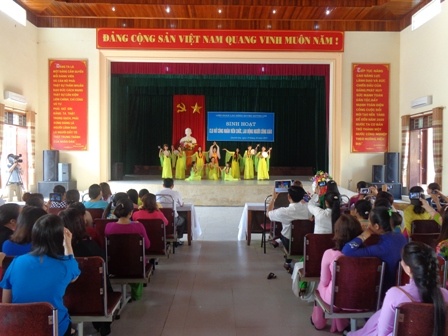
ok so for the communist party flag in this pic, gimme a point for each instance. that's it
(189, 112)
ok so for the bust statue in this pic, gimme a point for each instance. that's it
(187, 139)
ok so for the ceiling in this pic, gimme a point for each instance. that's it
(325, 15)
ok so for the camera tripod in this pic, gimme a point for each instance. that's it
(19, 182)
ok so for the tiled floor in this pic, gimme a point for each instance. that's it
(218, 286)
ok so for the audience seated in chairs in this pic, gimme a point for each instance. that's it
(20, 241)
(418, 209)
(436, 199)
(106, 193)
(324, 219)
(44, 274)
(296, 210)
(345, 229)
(124, 225)
(36, 200)
(360, 186)
(62, 204)
(149, 209)
(96, 198)
(442, 240)
(109, 211)
(388, 248)
(142, 193)
(8, 221)
(84, 246)
(361, 212)
(133, 196)
(420, 263)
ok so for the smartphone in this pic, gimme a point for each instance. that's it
(306, 198)
(322, 183)
(364, 191)
(434, 192)
(55, 197)
(282, 185)
(414, 195)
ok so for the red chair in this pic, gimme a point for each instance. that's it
(416, 319)
(357, 284)
(167, 203)
(425, 226)
(96, 213)
(126, 262)
(314, 247)
(99, 225)
(37, 319)
(427, 238)
(299, 229)
(87, 299)
(155, 229)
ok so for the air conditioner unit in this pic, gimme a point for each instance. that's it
(15, 97)
(422, 101)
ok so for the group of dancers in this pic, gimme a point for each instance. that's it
(205, 165)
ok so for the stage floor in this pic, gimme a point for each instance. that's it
(208, 192)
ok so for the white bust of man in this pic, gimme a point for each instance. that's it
(188, 138)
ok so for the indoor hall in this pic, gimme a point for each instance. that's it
(218, 286)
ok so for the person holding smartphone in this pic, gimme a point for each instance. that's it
(418, 209)
(436, 198)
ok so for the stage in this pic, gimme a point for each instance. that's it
(208, 192)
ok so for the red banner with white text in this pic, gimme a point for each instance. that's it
(189, 121)
(207, 39)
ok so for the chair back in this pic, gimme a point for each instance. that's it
(87, 295)
(416, 319)
(125, 256)
(37, 319)
(425, 226)
(170, 229)
(427, 238)
(299, 229)
(100, 226)
(55, 211)
(96, 213)
(155, 229)
(314, 247)
(357, 283)
(402, 277)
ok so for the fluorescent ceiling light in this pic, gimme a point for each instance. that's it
(426, 13)
(13, 10)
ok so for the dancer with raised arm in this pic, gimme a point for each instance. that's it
(199, 158)
(165, 161)
(214, 152)
(181, 163)
(236, 164)
(248, 162)
(263, 163)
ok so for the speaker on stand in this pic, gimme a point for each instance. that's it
(392, 163)
(50, 169)
(378, 173)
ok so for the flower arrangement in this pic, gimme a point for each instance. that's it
(188, 145)
(321, 179)
(444, 250)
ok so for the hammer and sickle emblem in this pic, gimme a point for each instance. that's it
(181, 108)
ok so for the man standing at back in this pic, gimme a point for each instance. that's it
(179, 221)
(297, 209)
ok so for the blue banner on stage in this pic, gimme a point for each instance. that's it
(240, 126)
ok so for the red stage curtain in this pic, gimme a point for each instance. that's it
(189, 112)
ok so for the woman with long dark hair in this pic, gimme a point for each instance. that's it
(44, 274)
(388, 248)
(420, 263)
(324, 219)
(149, 210)
(345, 229)
(20, 241)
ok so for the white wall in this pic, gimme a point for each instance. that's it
(71, 44)
(424, 70)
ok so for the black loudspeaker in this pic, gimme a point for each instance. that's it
(64, 172)
(51, 160)
(392, 163)
(394, 188)
(378, 173)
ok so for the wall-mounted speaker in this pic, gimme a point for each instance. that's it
(378, 173)
(392, 163)
(51, 160)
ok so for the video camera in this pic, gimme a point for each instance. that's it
(16, 158)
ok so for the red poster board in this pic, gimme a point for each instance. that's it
(370, 119)
(206, 39)
(68, 104)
